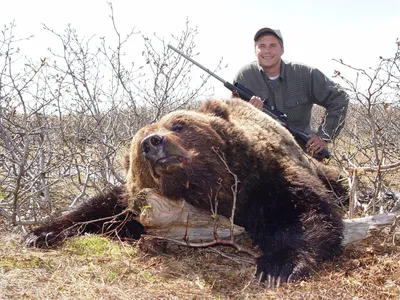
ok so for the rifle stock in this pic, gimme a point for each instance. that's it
(247, 94)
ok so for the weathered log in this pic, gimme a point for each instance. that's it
(177, 219)
(361, 228)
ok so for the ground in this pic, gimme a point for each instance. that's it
(93, 267)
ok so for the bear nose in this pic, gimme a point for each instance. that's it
(151, 142)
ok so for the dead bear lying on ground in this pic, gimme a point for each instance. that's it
(281, 200)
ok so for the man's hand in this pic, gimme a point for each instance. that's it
(257, 102)
(315, 144)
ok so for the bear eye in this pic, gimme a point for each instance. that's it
(177, 127)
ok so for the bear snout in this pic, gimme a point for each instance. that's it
(164, 153)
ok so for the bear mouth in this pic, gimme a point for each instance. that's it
(169, 165)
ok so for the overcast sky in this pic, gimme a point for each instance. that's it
(314, 32)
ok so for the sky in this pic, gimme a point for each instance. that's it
(314, 32)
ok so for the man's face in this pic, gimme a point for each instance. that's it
(268, 51)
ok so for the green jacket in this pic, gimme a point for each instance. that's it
(295, 91)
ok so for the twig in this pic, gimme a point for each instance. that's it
(83, 224)
(392, 167)
(218, 242)
(221, 156)
(394, 225)
(236, 259)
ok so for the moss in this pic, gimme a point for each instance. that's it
(9, 262)
(94, 245)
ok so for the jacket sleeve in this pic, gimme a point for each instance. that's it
(335, 100)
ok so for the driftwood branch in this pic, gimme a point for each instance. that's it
(361, 228)
(181, 223)
(177, 219)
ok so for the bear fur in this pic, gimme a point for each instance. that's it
(281, 199)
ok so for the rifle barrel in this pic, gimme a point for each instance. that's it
(196, 63)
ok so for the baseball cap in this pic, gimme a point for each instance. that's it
(265, 30)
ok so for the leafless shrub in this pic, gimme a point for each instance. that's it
(368, 148)
(65, 120)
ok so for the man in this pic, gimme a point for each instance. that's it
(293, 88)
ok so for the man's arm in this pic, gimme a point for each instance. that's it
(329, 95)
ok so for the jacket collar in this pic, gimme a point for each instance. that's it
(282, 72)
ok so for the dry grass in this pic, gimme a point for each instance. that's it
(94, 267)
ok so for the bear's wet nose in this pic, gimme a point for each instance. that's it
(151, 142)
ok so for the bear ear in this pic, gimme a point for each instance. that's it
(217, 108)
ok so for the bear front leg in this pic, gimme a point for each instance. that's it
(293, 251)
(285, 259)
(92, 216)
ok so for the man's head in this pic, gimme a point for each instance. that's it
(268, 45)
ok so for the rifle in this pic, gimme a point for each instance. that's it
(247, 94)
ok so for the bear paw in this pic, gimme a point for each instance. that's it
(275, 272)
(42, 239)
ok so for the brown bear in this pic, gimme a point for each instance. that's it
(281, 200)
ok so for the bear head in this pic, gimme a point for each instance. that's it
(188, 154)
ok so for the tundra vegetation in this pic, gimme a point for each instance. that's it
(66, 120)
